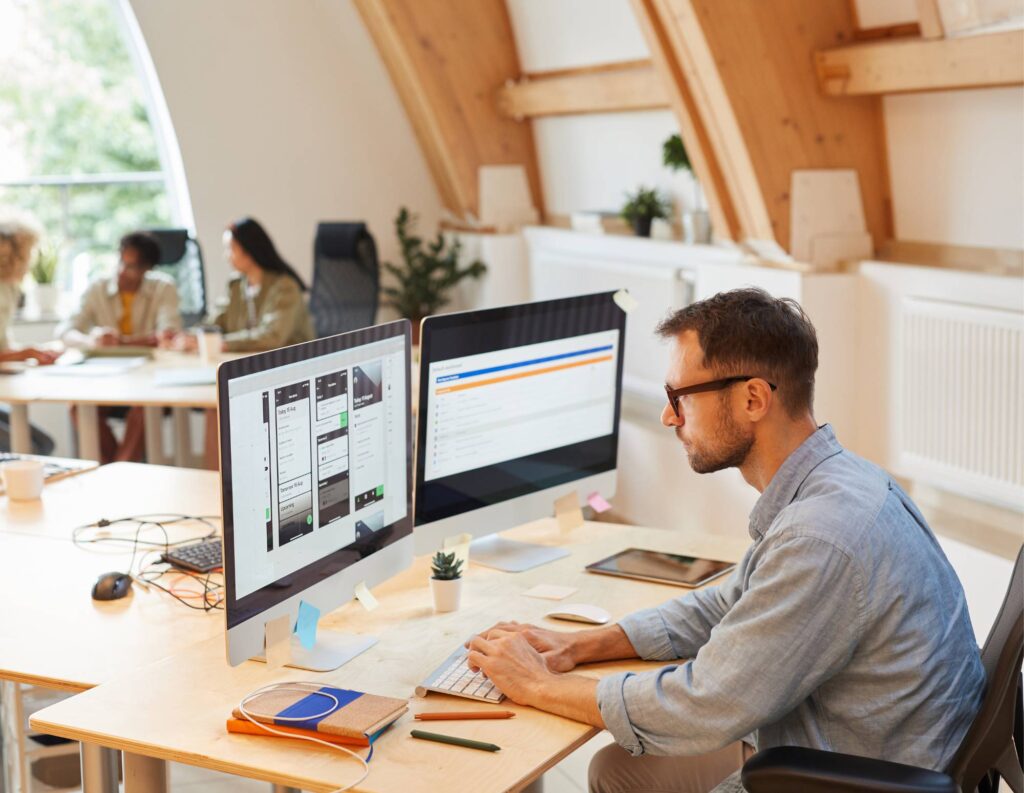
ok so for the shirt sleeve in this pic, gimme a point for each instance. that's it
(168, 313)
(795, 626)
(275, 323)
(84, 318)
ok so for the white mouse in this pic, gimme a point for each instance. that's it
(580, 612)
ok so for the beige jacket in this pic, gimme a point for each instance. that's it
(275, 317)
(9, 294)
(154, 309)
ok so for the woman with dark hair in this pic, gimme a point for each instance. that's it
(264, 308)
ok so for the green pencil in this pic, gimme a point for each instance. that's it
(433, 736)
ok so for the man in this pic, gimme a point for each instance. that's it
(137, 307)
(843, 628)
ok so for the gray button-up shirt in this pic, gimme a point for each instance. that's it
(843, 628)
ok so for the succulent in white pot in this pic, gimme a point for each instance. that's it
(44, 273)
(446, 581)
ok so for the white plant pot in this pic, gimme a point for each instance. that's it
(446, 594)
(45, 297)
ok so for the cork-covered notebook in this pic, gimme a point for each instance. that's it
(358, 715)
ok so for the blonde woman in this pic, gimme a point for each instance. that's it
(18, 239)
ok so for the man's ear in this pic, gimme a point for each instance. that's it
(759, 398)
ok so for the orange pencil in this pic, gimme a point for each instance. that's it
(454, 715)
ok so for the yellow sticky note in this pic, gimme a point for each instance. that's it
(568, 512)
(365, 596)
(459, 543)
(277, 640)
(625, 300)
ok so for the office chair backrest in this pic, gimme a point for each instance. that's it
(988, 743)
(346, 278)
(182, 259)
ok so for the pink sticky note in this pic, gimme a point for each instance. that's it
(597, 502)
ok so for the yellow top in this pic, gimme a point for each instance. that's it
(127, 298)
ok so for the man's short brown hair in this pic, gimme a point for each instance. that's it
(749, 332)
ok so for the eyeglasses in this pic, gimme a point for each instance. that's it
(712, 385)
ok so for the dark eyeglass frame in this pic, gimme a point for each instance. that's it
(712, 385)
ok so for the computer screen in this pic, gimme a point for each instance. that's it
(514, 401)
(315, 467)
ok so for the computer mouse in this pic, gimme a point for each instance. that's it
(580, 612)
(111, 586)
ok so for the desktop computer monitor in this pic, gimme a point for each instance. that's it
(518, 406)
(316, 473)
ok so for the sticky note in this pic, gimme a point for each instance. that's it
(277, 641)
(365, 596)
(625, 300)
(597, 502)
(305, 625)
(550, 592)
(568, 512)
(460, 544)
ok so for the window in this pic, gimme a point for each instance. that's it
(77, 146)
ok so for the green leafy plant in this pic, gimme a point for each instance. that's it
(645, 204)
(428, 272)
(445, 566)
(674, 156)
(44, 266)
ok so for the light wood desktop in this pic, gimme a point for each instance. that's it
(175, 709)
(89, 391)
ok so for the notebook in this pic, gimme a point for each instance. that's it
(359, 715)
(246, 727)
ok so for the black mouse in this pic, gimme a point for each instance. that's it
(111, 586)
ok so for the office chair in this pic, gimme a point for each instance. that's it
(346, 278)
(41, 442)
(182, 259)
(991, 749)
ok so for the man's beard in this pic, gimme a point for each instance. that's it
(731, 447)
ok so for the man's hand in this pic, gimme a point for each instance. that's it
(555, 647)
(105, 337)
(515, 667)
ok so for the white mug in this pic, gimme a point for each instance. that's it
(23, 479)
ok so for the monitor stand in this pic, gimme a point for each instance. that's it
(512, 556)
(332, 649)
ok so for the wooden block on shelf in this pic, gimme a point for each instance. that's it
(825, 204)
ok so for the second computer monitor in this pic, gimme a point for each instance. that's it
(518, 405)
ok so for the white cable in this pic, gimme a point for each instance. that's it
(306, 688)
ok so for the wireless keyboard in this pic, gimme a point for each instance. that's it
(455, 677)
(200, 557)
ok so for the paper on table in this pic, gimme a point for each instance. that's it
(278, 641)
(550, 592)
(597, 502)
(568, 512)
(305, 626)
(365, 596)
(460, 544)
(625, 300)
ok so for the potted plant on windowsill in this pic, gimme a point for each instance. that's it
(427, 274)
(446, 581)
(644, 206)
(44, 273)
(693, 211)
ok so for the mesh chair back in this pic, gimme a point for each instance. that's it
(182, 259)
(989, 743)
(346, 278)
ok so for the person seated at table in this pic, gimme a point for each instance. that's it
(134, 307)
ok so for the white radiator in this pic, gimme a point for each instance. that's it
(960, 412)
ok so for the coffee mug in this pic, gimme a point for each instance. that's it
(23, 479)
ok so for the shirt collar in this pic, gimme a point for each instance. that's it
(791, 474)
(144, 288)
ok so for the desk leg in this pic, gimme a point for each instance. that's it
(182, 438)
(88, 432)
(21, 431)
(99, 768)
(155, 436)
(144, 774)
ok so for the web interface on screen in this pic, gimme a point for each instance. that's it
(503, 405)
(318, 458)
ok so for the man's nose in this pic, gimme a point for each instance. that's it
(669, 418)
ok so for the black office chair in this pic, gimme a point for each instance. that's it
(41, 442)
(991, 749)
(346, 278)
(182, 259)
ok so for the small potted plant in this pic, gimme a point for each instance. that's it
(693, 214)
(44, 273)
(642, 207)
(446, 581)
(428, 273)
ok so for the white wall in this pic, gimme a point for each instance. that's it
(284, 111)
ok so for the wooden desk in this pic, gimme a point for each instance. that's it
(175, 708)
(136, 387)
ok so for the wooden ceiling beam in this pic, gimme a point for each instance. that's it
(611, 88)
(448, 61)
(890, 67)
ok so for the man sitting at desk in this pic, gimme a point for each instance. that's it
(843, 628)
(135, 307)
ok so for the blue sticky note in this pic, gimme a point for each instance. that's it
(305, 626)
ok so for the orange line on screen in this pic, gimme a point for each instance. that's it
(464, 386)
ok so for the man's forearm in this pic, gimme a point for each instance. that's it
(602, 644)
(571, 696)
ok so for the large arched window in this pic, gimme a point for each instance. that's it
(78, 144)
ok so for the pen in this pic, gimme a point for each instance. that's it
(454, 715)
(433, 736)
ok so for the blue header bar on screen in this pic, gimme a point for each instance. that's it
(519, 364)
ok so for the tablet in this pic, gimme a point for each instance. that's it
(662, 568)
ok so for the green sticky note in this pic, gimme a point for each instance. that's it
(343, 420)
(268, 513)
(380, 490)
(309, 519)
